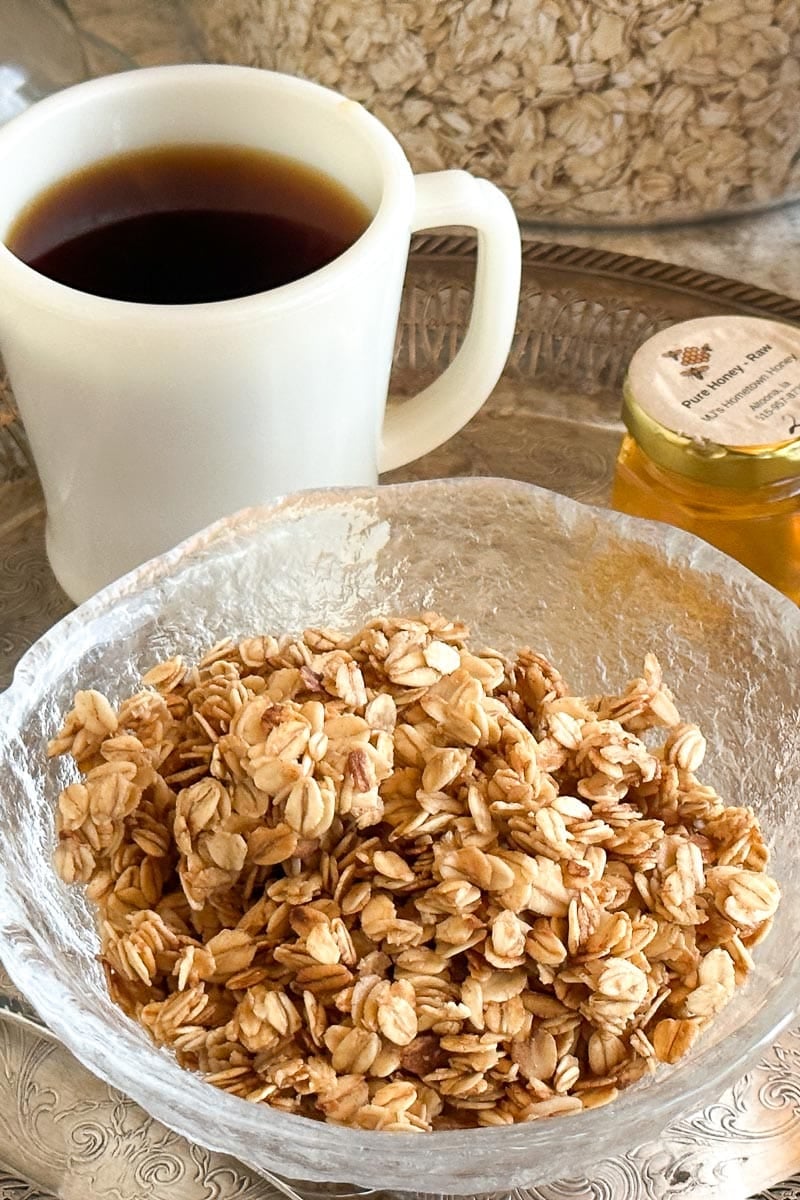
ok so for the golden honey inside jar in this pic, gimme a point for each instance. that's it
(712, 410)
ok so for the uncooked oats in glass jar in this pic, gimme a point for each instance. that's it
(595, 113)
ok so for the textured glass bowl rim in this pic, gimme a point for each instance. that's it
(634, 1117)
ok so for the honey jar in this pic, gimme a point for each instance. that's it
(712, 412)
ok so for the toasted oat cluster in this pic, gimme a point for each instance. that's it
(396, 883)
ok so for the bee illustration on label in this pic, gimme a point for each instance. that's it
(695, 359)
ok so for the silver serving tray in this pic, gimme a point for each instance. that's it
(553, 420)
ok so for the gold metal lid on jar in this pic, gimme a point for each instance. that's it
(718, 400)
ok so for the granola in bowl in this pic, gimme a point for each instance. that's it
(395, 882)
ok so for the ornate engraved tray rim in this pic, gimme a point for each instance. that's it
(613, 265)
(61, 1131)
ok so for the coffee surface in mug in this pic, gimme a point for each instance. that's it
(187, 225)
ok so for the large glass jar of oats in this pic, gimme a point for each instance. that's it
(712, 410)
(616, 112)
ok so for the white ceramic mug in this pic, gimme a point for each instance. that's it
(147, 422)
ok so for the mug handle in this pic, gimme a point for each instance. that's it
(416, 426)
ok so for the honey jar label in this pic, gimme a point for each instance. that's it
(733, 381)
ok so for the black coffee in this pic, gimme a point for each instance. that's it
(187, 224)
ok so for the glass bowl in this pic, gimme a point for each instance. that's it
(594, 591)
